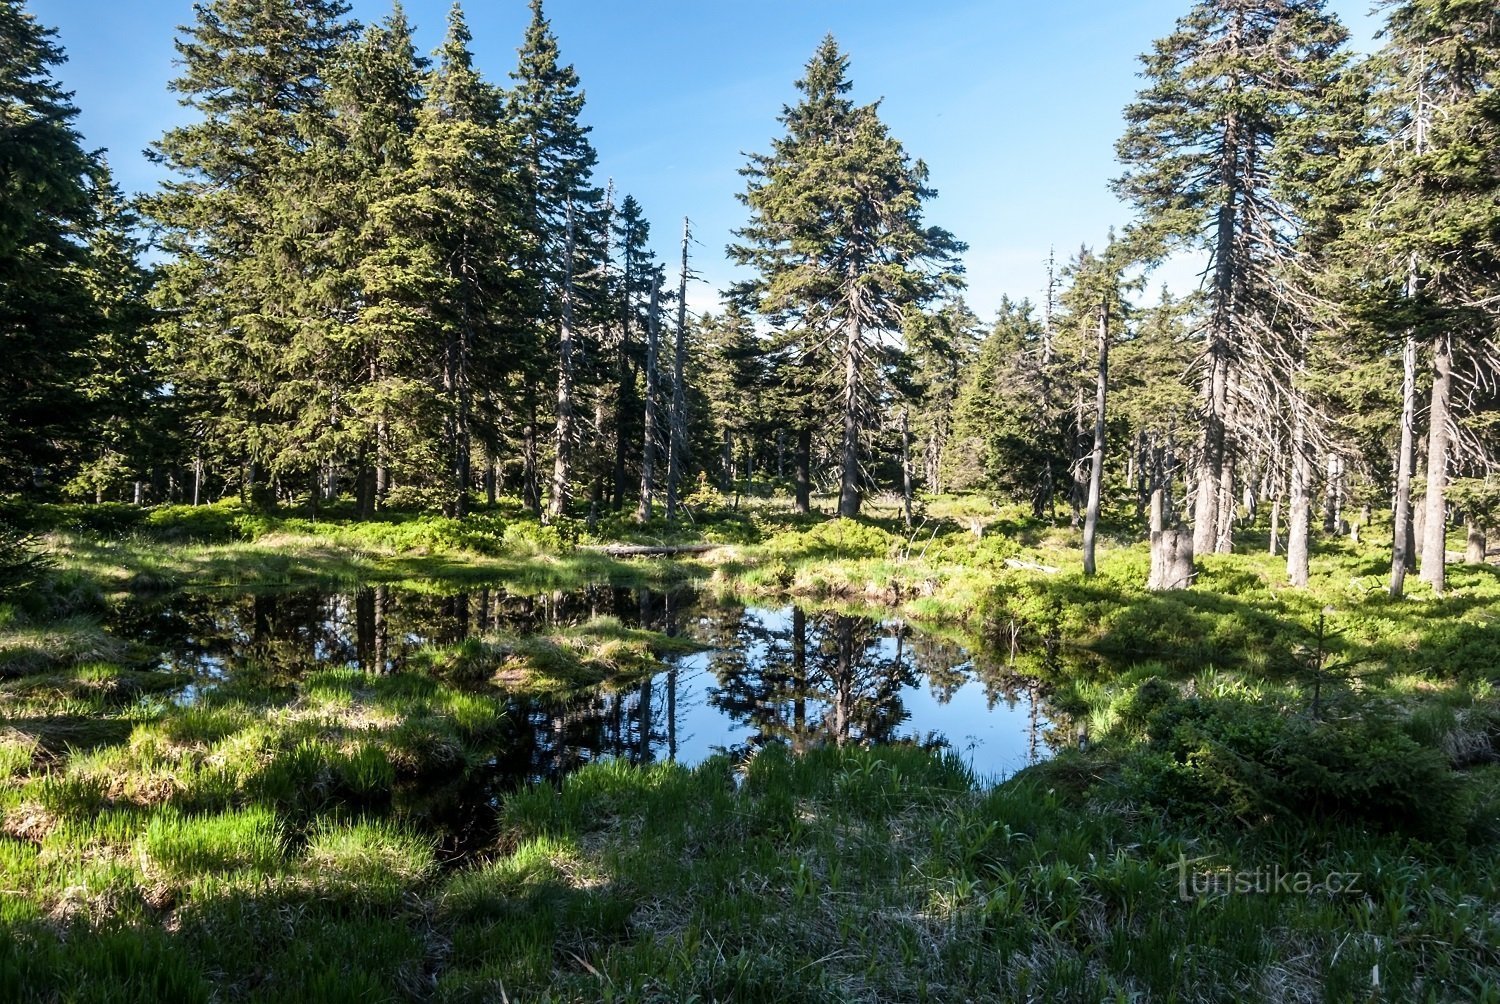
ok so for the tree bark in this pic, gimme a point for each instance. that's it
(648, 448)
(849, 493)
(1476, 545)
(1300, 504)
(1172, 564)
(531, 489)
(1434, 540)
(1401, 530)
(562, 465)
(906, 468)
(1096, 462)
(802, 469)
(677, 433)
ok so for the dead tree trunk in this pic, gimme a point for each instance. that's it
(849, 489)
(1434, 539)
(1096, 462)
(802, 468)
(906, 467)
(648, 450)
(1300, 505)
(562, 466)
(1476, 545)
(1171, 550)
(1401, 531)
(677, 434)
(1078, 488)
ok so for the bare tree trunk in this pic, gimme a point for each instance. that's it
(802, 469)
(562, 465)
(1331, 497)
(849, 493)
(382, 460)
(1096, 463)
(677, 443)
(596, 461)
(491, 488)
(198, 479)
(930, 464)
(1275, 543)
(1300, 504)
(1406, 459)
(1434, 541)
(1172, 565)
(531, 489)
(1476, 545)
(1228, 471)
(726, 462)
(906, 467)
(648, 449)
(1078, 488)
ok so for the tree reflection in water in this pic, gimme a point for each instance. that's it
(768, 675)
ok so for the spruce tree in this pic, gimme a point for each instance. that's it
(940, 347)
(254, 72)
(555, 162)
(1225, 90)
(131, 416)
(46, 212)
(837, 241)
(470, 212)
(1425, 233)
(354, 386)
(637, 271)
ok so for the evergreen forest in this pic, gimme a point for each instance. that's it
(410, 592)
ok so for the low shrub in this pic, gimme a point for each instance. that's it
(1208, 756)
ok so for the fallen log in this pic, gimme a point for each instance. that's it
(650, 550)
(1030, 566)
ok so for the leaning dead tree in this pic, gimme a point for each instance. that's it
(677, 420)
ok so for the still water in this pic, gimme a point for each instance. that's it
(764, 674)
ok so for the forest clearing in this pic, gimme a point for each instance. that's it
(410, 592)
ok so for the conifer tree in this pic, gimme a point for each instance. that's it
(130, 417)
(46, 321)
(1224, 91)
(637, 269)
(1426, 231)
(555, 162)
(353, 390)
(468, 211)
(837, 242)
(254, 72)
(940, 347)
(1004, 437)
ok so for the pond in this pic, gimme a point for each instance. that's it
(763, 673)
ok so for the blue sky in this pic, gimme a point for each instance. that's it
(1015, 106)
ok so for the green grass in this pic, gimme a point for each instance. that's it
(292, 833)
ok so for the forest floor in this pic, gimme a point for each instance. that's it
(1281, 795)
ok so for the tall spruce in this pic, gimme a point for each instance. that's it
(1224, 90)
(254, 73)
(468, 208)
(46, 212)
(131, 416)
(838, 246)
(637, 272)
(1427, 233)
(350, 393)
(555, 162)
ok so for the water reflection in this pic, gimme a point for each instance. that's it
(765, 675)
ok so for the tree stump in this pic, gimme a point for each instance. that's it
(1171, 560)
(1474, 553)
